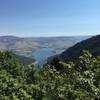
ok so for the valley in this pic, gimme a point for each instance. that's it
(71, 71)
(49, 49)
(27, 47)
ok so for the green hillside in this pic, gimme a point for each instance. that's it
(23, 59)
(91, 44)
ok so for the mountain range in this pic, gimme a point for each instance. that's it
(25, 46)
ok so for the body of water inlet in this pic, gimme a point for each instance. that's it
(41, 54)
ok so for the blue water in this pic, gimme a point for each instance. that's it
(42, 54)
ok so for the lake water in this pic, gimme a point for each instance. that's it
(42, 54)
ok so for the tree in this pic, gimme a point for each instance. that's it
(70, 81)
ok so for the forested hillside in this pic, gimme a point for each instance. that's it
(24, 60)
(72, 81)
(91, 44)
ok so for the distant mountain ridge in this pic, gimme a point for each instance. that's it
(12, 42)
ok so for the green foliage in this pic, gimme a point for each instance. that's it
(60, 81)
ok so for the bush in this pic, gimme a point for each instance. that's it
(73, 81)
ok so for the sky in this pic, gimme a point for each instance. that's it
(35, 18)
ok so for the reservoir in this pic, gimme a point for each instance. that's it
(41, 54)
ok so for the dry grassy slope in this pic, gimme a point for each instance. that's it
(11, 42)
(14, 43)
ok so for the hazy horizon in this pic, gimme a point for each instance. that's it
(48, 36)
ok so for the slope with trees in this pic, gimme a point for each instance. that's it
(91, 44)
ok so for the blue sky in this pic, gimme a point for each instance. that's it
(49, 17)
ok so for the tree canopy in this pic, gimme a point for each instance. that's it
(60, 81)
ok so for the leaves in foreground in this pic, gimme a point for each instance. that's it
(73, 81)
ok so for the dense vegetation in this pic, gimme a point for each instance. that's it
(24, 60)
(60, 81)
